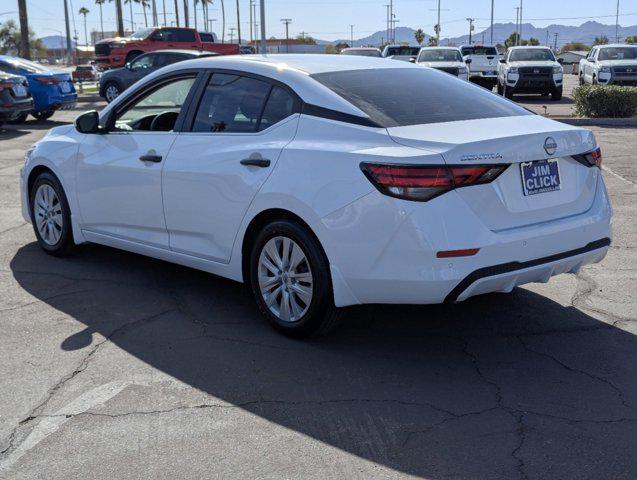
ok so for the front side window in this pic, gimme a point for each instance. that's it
(618, 53)
(231, 104)
(439, 55)
(143, 62)
(158, 110)
(531, 55)
(394, 97)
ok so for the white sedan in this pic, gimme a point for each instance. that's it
(324, 181)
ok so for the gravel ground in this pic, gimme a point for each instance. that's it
(123, 367)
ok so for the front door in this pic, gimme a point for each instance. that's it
(119, 172)
(214, 171)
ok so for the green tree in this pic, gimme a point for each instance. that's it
(631, 39)
(11, 41)
(603, 40)
(306, 39)
(531, 41)
(419, 35)
(511, 41)
(145, 4)
(84, 12)
(575, 46)
(432, 42)
(130, 5)
(100, 3)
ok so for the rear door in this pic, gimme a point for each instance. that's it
(215, 169)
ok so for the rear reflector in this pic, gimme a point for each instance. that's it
(424, 182)
(590, 159)
(467, 252)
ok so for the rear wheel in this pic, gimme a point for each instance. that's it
(499, 88)
(50, 215)
(111, 91)
(43, 115)
(19, 119)
(290, 280)
(508, 92)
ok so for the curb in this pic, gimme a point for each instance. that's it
(597, 122)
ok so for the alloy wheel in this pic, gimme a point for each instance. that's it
(285, 279)
(112, 92)
(47, 214)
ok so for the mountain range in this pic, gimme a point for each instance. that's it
(584, 33)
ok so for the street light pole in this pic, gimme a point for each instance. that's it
(69, 54)
(264, 47)
(617, 24)
(287, 22)
(517, 20)
(520, 37)
(470, 20)
(491, 37)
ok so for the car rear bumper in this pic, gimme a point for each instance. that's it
(398, 263)
(16, 109)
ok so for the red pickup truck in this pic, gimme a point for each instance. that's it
(116, 52)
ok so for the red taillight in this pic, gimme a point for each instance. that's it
(424, 182)
(590, 159)
(467, 252)
(48, 80)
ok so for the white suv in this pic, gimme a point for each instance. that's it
(446, 59)
(609, 64)
(530, 70)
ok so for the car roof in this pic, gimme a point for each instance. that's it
(616, 45)
(360, 48)
(440, 48)
(293, 70)
(535, 47)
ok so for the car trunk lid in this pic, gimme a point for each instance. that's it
(503, 204)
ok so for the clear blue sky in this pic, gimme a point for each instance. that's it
(330, 19)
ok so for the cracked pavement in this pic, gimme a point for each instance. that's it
(119, 366)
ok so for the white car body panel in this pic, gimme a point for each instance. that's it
(380, 249)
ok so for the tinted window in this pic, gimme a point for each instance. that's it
(439, 55)
(164, 59)
(183, 36)
(362, 53)
(230, 104)
(280, 105)
(531, 55)
(142, 33)
(411, 51)
(618, 53)
(143, 62)
(410, 96)
(206, 37)
(479, 51)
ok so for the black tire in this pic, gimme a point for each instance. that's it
(594, 81)
(19, 119)
(43, 115)
(108, 91)
(508, 92)
(556, 94)
(581, 79)
(499, 89)
(321, 316)
(132, 56)
(65, 244)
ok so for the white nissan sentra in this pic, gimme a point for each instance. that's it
(324, 181)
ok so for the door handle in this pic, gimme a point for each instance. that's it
(256, 162)
(150, 158)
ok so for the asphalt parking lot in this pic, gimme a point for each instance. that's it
(119, 366)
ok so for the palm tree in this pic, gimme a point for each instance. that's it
(130, 4)
(186, 21)
(177, 12)
(163, 2)
(84, 11)
(223, 23)
(120, 18)
(100, 3)
(25, 49)
(195, 10)
(420, 36)
(238, 24)
(144, 4)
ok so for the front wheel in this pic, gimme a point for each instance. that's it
(50, 215)
(499, 88)
(556, 94)
(508, 92)
(111, 91)
(290, 280)
(43, 115)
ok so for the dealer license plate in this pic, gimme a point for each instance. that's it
(540, 176)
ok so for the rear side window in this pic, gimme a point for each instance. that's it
(206, 37)
(413, 51)
(394, 97)
(231, 104)
(479, 51)
(280, 105)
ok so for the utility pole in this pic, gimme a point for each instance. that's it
(232, 29)
(555, 44)
(470, 20)
(391, 22)
(438, 25)
(617, 24)
(238, 25)
(517, 20)
(547, 38)
(520, 37)
(25, 49)
(351, 34)
(164, 10)
(386, 22)
(155, 18)
(287, 22)
(69, 53)
(251, 22)
(264, 46)
(491, 36)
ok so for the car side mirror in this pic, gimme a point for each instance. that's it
(503, 60)
(129, 66)
(412, 60)
(468, 61)
(560, 61)
(88, 122)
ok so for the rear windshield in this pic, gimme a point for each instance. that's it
(531, 55)
(439, 55)
(394, 97)
(618, 53)
(479, 51)
(362, 53)
(411, 51)
(26, 65)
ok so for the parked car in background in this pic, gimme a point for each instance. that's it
(247, 50)
(446, 59)
(483, 69)
(323, 181)
(51, 89)
(609, 65)
(401, 52)
(362, 51)
(86, 73)
(530, 70)
(113, 82)
(116, 52)
(15, 98)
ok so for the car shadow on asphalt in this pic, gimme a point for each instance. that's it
(499, 386)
